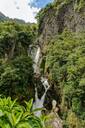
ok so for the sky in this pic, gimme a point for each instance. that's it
(40, 3)
(22, 9)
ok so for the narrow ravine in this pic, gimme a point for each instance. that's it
(39, 102)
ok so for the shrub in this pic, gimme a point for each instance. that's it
(13, 115)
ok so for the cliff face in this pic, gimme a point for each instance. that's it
(60, 17)
(62, 51)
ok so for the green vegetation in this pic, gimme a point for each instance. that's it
(13, 115)
(63, 62)
(65, 59)
(79, 5)
(16, 76)
(15, 38)
(55, 7)
(16, 70)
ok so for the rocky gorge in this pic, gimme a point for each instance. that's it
(46, 63)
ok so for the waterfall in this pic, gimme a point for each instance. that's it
(39, 102)
(36, 61)
(56, 122)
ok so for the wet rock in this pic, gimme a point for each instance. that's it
(54, 121)
(52, 93)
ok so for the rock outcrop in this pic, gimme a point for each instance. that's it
(54, 120)
(60, 17)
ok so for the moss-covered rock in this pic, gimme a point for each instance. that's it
(60, 15)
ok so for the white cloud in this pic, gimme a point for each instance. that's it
(18, 9)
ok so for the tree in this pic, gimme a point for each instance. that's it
(16, 77)
(65, 58)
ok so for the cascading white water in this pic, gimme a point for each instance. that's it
(39, 102)
(56, 122)
(36, 60)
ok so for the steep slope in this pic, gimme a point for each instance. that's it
(2, 16)
(62, 42)
(58, 16)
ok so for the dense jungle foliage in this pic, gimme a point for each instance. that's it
(16, 71)
(65, 59)
(63, 62)
(16, 76)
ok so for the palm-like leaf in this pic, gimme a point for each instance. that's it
(13, 115)
(23, 125)
(29, 105)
